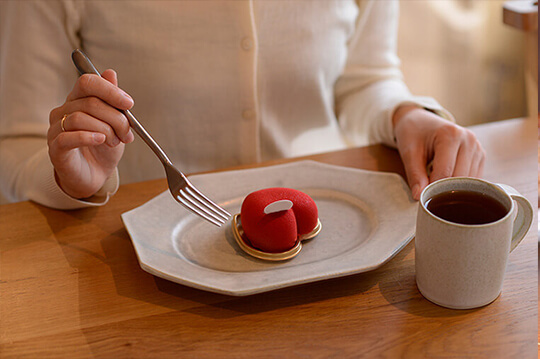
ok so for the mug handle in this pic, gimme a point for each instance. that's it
(524, 216)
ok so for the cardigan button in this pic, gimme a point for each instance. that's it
(247, 43)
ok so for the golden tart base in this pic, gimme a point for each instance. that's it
(238, 233)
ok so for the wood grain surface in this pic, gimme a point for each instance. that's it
(71, 287)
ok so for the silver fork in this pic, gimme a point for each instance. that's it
(181, 188)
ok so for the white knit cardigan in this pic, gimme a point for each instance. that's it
(217, 83)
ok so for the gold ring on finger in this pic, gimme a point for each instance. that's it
(62, 123)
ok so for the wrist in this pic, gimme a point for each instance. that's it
(75, 190)
(402, 111)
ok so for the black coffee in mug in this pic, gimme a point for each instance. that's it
(466, 207)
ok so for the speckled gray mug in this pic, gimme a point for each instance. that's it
(462, 266)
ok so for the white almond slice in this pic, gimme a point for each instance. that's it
(278, 206)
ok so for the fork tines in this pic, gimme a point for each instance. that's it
(201, 205)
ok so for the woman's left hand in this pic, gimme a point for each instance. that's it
(422, 137)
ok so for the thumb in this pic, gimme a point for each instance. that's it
(111, 76)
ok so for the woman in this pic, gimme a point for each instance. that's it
(217, 84)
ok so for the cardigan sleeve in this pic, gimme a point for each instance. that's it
(371, 87)
(36, 40)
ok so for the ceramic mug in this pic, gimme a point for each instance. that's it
(462, 266)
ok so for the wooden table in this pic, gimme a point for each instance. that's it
(71, 287)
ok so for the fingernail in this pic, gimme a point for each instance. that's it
(98, 137)
(115, 141)
(416, 191)
(129, 99)
(129, 137)
(125, 93)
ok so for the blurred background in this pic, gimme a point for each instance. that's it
(461, 53)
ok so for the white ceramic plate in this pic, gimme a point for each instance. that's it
(367, 218)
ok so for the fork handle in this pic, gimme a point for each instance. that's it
(85, 66)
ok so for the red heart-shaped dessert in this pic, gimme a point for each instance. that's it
(278, 229)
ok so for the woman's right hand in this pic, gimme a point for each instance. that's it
(87, 147)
